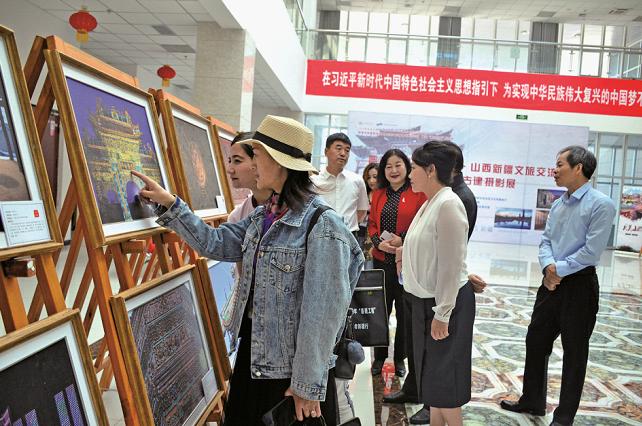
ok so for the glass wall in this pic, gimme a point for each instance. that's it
(493, 44)
(322, 126)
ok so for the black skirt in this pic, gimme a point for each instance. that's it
(250, 398)
(443, 367)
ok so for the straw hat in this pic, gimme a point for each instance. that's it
(287, 141)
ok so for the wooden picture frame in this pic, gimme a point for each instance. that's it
(114, 127)
(21, 152)
(176, 293)
(189, 153)
(224, 135)
(215, 306)
(39, 349)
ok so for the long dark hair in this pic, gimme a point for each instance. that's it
(366, 177)
(296, 189)
(382, 182)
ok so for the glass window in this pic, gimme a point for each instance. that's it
(614, 36)
(484, 28)
(524, 30)
(432, 53)
(610, 155)
(343, 20)
(483, 56)
(339, 120)
(376, 50)
(572, 33)
(467, 27)
(506, 30)
(465, 55)
(634, 156)
(398, 24)
(521, 64)
(506, 55)
(418, 52)
(397, 51)
(434, 25)
(341, 51)
(592, 35)
(358, 21)
(590, 63)
(569, 62)
(356, 48)
(378, 23)
(611, 64)
(633, 35)
(419, 24)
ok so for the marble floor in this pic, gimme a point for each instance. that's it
(613, 389)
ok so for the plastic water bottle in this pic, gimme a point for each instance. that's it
(387, 374)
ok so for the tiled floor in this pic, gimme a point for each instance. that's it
(613, 394)
(613, 390)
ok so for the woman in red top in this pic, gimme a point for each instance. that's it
(393, 207)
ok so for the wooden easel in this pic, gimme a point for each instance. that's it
(128, 253)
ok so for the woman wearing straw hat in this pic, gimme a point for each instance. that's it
(294, 291)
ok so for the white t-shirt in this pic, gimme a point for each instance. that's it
(345, 193)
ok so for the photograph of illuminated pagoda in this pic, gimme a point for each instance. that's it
(378, 140)
(116, 138)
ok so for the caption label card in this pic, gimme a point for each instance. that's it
(24, 222)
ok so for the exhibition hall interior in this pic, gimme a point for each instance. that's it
(110, 317)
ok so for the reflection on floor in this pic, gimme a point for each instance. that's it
(613, 390)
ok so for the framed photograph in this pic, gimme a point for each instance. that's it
(47, 375)
(218, 280)
(168, 349)
(195, 157)
(27, 212)
(111, 128)
(225, 137)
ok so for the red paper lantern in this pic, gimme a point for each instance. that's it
(166, 73)
(84, 23)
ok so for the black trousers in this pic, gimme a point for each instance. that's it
(394, 293)
(250, 398)
(569, 310)
(410, 382)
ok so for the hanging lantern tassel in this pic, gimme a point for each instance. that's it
(84, 23)
(166, 73)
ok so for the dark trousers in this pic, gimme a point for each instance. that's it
(569, 310)
(250, 398)
(394, 293)
(410, 383)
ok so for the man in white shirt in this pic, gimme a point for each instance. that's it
(345, 192)
(342, 189)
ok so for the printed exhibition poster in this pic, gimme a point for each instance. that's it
(629, 231)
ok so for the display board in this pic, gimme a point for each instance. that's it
(195, 156)
(629, 231)
(27, 212)
(47, 376)
(219, 282)
(111, 128)
(168, 349)
(508, 165)
(225, 137)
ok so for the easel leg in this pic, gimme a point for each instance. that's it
(14, 315)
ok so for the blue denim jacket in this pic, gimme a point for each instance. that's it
(300, 302)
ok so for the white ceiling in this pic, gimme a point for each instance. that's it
(598, 11)
(128, 34)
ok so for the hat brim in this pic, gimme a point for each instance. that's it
(285, 160)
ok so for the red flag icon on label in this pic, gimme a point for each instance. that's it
(36, 213)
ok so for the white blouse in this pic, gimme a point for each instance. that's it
(434, 252)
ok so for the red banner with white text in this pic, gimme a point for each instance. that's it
(589, 95)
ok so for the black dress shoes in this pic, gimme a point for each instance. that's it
(400, 397)
(421, 417)
(517, 407)
(376, 367)
(400, 368)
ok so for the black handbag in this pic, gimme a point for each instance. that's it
(368, 307)
(343, 368)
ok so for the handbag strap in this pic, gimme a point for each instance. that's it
(313, 221)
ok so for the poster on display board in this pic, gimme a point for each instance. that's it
(508, 166)
(629, 231)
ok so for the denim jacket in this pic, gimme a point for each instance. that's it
(300, 302)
